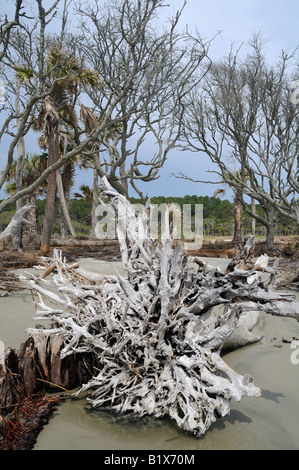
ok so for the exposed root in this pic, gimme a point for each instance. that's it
(153, 334)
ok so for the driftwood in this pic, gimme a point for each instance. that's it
(62, 242)
(153, 334)
(9, 281)
(288, 280)
(14, 226)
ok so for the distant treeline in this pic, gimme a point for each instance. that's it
(218, 219)
(218, 216)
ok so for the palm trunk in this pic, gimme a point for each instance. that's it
(51, 195)
(63, 204)
(95, 203)
(32, 215)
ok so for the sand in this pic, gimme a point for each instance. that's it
(270, 422)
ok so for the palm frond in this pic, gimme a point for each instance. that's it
(41, 118)
(34, 165)
(52, 113)
(219, 191)
(89, 77)
(89, 119)
(57, 57)
(87, 192)
(43, 141)
(69, 112)
(23, 73)
(68, 175)
(11, 188)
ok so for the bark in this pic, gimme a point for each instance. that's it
(288, 280)
(51, 195)
(32, 216)
(270, 238)
(14, 226)
(25, 376)
(95, 203)
(153, 334)
(63, 204)
(253, 219)
(238, 223)
(17, 240)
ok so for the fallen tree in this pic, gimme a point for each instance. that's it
(14, 227)
(153, 334)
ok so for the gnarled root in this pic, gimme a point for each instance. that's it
(155, 342)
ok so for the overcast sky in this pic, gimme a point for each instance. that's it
(278, 22)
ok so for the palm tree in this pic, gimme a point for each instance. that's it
(87, 193)
(66, 76)
(65, 181)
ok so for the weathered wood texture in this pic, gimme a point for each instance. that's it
(14, 226)
(153, 333)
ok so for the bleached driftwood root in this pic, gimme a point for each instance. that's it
(155, 342)
(14, 225)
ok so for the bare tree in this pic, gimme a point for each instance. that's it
(14, 106)
(145, 72)
(26, 49)
(152, 68)
(244, 120)
(33, 79)
(7, 26)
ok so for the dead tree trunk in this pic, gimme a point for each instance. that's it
(14, 227)
(153, 334)
(238, 223)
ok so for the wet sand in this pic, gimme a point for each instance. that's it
(270, 422)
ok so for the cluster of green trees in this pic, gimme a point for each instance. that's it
(218, 216)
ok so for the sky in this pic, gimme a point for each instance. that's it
(235, 22)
